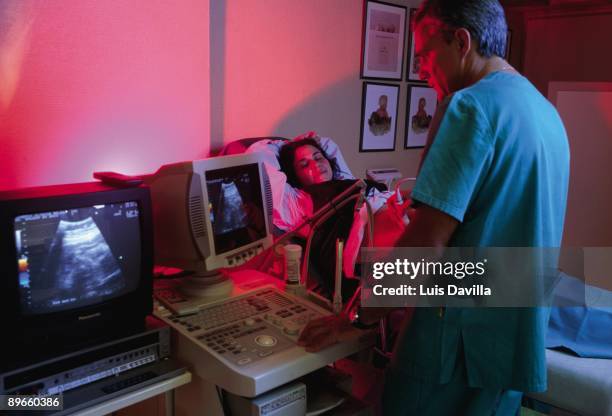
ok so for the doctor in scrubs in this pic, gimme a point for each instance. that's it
(494, 174)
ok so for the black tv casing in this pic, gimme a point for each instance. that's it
(31, 338)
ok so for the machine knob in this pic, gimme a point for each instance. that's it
(265, 340)
(290, 330)
(270, 317)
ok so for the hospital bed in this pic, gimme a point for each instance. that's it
(579, 359)
(580, 386)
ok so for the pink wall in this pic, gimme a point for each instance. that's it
(280, 54)
(128, 85)
(91, 85)
(285, 67)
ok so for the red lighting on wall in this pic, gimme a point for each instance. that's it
(102, 86)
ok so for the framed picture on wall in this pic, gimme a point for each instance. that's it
(421, 106)
(383, 40)
(412, 69)
(378, 117)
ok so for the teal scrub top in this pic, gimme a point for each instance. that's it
(499, 164)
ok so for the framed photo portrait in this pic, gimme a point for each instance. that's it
(412, 69)
(384, 34)
(378, 117)
(422, 103)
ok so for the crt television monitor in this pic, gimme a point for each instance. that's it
(77, 265)
(211, 214)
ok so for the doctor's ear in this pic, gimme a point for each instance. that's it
(464, 40)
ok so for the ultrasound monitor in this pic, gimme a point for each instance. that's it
(77, 265)
(210, 214)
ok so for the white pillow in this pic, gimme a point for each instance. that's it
(333, 152)
(269, 148)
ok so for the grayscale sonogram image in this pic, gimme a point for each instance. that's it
(80, 263)
(230, 213)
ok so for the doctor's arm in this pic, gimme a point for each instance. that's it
(428, 227)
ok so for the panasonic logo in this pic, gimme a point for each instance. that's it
(93, 315)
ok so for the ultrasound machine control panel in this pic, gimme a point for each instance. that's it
(247, 344)
(248, 328)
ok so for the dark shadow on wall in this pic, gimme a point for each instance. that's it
(334, 112)
(217, 73)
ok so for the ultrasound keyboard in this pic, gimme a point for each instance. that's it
(250, 327)
(246, 344)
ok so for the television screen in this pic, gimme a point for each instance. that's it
(77, 257)
(235, 206)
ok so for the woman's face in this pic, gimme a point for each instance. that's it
(311, 167)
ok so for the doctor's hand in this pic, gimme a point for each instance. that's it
(390, 222)
(400, 207)
(322, 332)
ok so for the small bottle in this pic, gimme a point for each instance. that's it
(293, 255)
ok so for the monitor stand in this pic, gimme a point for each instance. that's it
(195, 291)
(213, 285)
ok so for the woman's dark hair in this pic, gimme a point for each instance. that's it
(484, 19)
(286, 158)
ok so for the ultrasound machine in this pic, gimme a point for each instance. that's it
(76, 295)
(237, 329)
(78, 278)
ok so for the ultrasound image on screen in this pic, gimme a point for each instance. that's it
(235, 206)
(81, 259)
(230, 213)
(73, 258)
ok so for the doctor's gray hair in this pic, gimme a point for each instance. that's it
(484, 19)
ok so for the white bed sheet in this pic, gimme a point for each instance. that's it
(579, 385)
